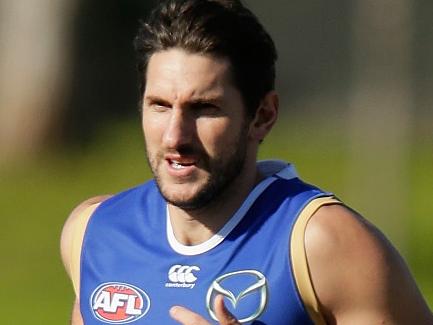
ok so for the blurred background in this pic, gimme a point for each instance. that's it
(356, 85)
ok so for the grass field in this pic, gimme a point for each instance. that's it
(37, 196)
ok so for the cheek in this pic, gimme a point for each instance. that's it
(152, 130)
(216, 136)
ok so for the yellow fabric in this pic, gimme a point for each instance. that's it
(77, 242)
(299, 258)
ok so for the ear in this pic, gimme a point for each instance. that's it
(265, 117)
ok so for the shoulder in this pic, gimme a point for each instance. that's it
(358, 276)
(70, 225)
(337, 229)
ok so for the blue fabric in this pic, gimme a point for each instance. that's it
(125, 244)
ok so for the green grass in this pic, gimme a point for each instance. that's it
(36, 197)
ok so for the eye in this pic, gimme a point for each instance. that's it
(158, 105)
(205, 108)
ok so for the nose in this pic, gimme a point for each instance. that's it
(180, 129)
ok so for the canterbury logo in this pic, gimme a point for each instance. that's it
(182, 276)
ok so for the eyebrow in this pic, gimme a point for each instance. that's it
(156, 99)
(209, 99)
(199, 100)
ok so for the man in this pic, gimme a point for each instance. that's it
(217, 236)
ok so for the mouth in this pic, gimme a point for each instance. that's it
(180, 164)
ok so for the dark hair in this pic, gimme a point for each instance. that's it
(223, 28)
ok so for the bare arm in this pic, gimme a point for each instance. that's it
(359, 278)
(66, 247)
(76, 314)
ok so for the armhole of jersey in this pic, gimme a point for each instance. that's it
(299, 262)
(77, 243)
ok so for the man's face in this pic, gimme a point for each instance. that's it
(194, 125)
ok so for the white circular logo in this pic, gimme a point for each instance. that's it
(217, 288)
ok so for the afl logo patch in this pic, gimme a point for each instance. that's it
(119, 303)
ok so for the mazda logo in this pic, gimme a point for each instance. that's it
(259, 286)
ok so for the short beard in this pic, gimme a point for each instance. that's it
(220, 179)
(222, 173)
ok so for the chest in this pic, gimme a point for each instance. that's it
(140, 281)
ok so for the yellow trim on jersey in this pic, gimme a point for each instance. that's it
(77, 243)
(299, 258)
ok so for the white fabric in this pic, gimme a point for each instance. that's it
(268, 168)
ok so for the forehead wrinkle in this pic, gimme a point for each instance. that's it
(200, 95)
(185, 92)
(176, 78)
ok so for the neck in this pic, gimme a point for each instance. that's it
(192, 227)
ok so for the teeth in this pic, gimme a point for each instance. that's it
(176, 165)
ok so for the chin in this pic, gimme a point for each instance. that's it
(181, 195)
(187, 198)
(185, 203)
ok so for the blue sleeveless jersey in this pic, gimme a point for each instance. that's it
(133, 270)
